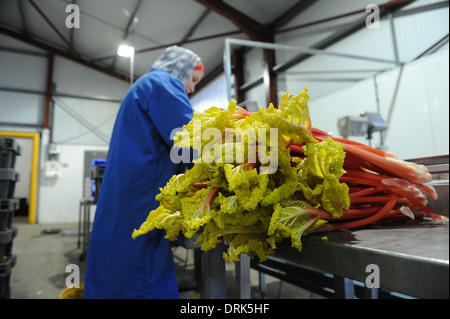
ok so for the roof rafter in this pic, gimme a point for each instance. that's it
(255, 30)
(72, 29)
(279, 22)
(180, 43)
(127, 29)
(22, 17)
(195, 25)
(290, 14)
(343, 32)
(49, 22)
(62, 53)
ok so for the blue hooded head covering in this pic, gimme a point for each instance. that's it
(179, 62)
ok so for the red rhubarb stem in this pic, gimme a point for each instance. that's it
(362, 222)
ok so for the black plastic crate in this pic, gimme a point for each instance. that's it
(9, 149)
(8, 179)
(6, 241)
(6, 265)
(7, 209)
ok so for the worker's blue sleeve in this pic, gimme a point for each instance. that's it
(138, 164)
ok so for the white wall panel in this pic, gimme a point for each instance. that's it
(419, 123)
(21, 108)
(71, 77)
(214, 94)
(258, 95)
(73, 131)
(78, 123)
(22, 71)
(416, 33)
(81, 121)
(253, 64)
(9, 42)
(59, 197)
(352, 100)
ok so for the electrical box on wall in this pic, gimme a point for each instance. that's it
(53, 148)
(52, 169)
(53, 151)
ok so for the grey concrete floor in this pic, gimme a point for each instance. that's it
(39, 272)
(42, 258)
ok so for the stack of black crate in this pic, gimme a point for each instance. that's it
(9, 149)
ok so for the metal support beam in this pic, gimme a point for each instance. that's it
(274, 46)
(238, 71)
(61, 94)
(311, 51)
(434, 47)
(270, 78)
(195, 25)
(341, 33)
(22, 17)
(53, 27)
(392, 6)
(227, 67)
(179, 43)
(255, 30)
(343, 288)
(242, 278)
(214, 274)
(62, 53)
(347, 14)
(72, 29)
(394, 38)
(394, 99)
(127, 32)
(24, 51)
(371, 293)
(290, 14)
(48, 90)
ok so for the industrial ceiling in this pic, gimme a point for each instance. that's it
(152, 25)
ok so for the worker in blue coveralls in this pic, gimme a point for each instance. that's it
(138, 164)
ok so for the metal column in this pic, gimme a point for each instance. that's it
(274, 46)
(242, 278)
(213, 273)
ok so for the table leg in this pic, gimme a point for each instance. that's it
(214, 274)
(243, 277)
(343, 288)
(79, 226)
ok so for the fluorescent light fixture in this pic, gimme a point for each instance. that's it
(128, 52)
(125, 51)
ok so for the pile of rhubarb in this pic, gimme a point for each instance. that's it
(253, 200)
(382, 188)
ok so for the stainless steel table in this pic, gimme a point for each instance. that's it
(412, 258)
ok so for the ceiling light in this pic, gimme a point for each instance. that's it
(125, 51)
